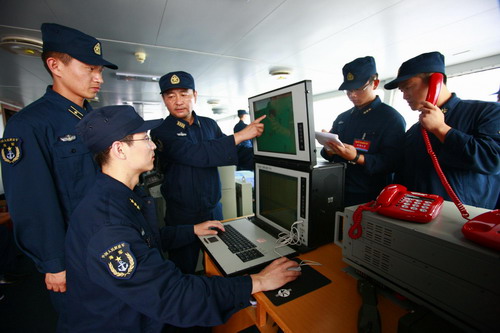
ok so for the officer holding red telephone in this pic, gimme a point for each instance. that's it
(464, 134)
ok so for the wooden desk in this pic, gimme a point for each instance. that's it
(332, 308)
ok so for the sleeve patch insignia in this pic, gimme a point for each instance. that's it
(11, 150)
(120, 261)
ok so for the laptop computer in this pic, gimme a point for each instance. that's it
(243, 248)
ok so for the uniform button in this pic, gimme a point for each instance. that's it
(73, 150)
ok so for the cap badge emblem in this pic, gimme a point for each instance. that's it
(97, 48)
(350, 77)
(175, 79)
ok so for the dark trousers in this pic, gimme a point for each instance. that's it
(186, 257)
(8, 249)
(59, 301)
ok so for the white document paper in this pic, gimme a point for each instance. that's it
(324, 137)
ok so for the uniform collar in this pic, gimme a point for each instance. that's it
(374, 104)
(183, 123)
(68, 105)
(451, 103)
(121, 192)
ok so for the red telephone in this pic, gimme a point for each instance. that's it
(484, 229)
(395, 201)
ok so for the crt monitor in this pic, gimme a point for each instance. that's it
(288, 126)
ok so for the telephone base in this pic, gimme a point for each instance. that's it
(484, 229)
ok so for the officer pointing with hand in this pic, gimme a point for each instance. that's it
(190, 148)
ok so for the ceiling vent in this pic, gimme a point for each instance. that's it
(22, 45)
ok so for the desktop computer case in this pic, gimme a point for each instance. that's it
(326, 198)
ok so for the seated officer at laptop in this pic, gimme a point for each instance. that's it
(117, 279)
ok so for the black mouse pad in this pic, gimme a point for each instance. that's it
(310, 280)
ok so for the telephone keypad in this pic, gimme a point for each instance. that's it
(415, 203)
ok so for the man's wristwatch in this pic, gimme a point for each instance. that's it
(354, 160)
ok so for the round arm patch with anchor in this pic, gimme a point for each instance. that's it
(119, 260)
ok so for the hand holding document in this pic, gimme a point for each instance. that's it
(324, 137)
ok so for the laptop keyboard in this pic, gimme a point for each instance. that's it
(239, 244)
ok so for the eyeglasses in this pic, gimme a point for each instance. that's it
(359, 90)
(147, 138)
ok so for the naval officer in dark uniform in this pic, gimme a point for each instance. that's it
(46, 169)
(117, 278)
(245, 148)
(371, 132)
(190, 148)
(464, 134)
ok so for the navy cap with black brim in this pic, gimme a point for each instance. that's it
(85, 48)
(357, 72)
(432, 62)
(103, 126)
(175, 80)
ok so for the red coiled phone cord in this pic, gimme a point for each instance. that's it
(442, 177)
(435, 84)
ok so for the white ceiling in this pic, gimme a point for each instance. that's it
(229, 46)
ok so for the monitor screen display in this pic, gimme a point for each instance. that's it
(279, 136)
(278, 198)
(288, 126)
(281, 196)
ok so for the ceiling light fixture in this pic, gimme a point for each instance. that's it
(140, 57)
(22, 45)
(141, 102)
(218, 110)
(213, 102)
(138, 77)
(280, 73)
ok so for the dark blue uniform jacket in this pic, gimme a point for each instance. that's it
(117, 278)
(245, 150)
(384, 128)
(469, 156)
(189, 156)
(48, 178)
(238, 127)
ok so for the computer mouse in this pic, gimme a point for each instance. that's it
(297, 269)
